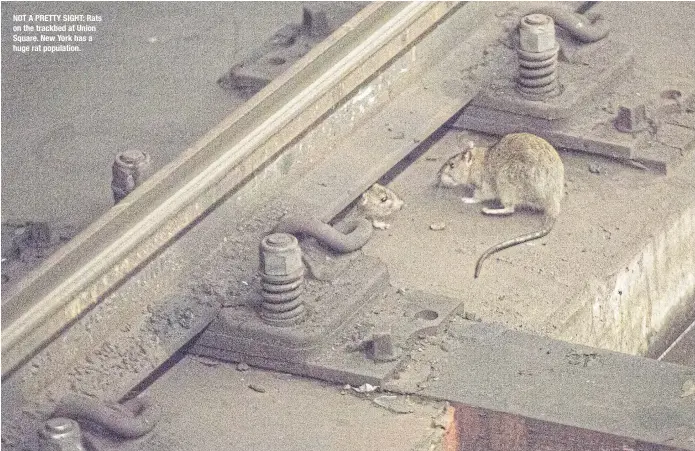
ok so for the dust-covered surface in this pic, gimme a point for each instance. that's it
(432, 246)
(26, 245)
(345, 352)
(610, 211)
(147, 81)
(606, 218)
(491, 367)
(134, 330)
(209, 405)
(103, 365)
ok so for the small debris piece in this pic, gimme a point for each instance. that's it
(438, 226)
(257, 388)
(443, 420)
(470, 316)
(581, 358)
(394, 404)
(356, 345)
(594, 168)
(380, 225)
(207, 361)
(688, 388)
(609, 108)
(242, 367)
(365, 388)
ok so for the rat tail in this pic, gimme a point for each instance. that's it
(547, 227)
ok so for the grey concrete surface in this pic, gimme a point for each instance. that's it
(502, 302)
(208, 405)
(618, 261)
(148, 80)
(492, 367)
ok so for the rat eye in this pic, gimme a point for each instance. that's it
(451, 164)
(384, 198)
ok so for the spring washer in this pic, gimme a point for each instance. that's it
(538, 78)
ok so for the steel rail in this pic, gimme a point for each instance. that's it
(95, 262)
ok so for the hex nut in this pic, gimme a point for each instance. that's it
(281, 255)
(537, 33)
(60, 434)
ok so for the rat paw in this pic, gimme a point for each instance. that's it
(498, 211)
(470, 200)
(380, 225)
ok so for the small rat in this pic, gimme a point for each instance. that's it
(351, 233)
(521, 170)
(378, 203)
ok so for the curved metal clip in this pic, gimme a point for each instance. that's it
(132, 419)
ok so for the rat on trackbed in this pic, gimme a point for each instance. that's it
(378, 203)
(374, 205)
(521, 170)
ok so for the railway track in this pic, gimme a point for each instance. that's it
(115, 303)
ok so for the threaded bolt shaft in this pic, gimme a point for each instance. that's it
(282, 280)
(537, 54)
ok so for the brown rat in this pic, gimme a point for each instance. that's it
(521, 170)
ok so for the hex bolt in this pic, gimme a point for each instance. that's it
(60, 434)
(537, 54)
(130, 169)
(631, 118)
(282, 280)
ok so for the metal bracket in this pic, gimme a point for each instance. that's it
(587, 115)
(344, 314)
(283, 49)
